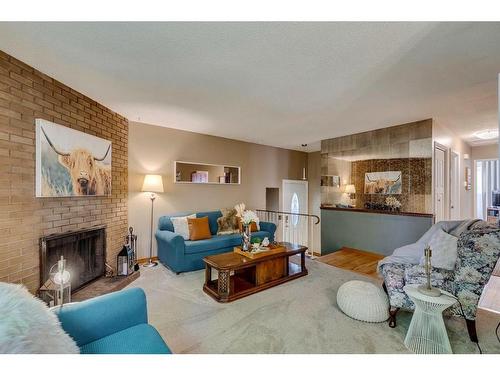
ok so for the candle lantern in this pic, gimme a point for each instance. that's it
(125, 261)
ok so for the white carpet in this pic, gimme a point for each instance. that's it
(300, 316)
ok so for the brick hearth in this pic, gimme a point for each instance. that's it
(103, 285)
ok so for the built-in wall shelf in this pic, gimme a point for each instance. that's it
(186, 172)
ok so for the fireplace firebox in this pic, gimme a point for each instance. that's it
(84, 251)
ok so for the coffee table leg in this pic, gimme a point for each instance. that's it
(302, 261)
(223, 284)
(208, 274)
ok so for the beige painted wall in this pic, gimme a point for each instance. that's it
(314, 178)
(484, 152)
(153, 149)
(442, 134)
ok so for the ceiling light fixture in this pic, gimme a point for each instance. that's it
(487, 134)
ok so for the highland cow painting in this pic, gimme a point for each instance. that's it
(71, 163)
(383, 182)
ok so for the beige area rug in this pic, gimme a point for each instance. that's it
(300, 316)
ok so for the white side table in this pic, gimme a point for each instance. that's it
(427, 333)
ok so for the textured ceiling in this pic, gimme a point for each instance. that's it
(281, 84)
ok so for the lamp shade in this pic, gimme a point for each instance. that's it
(153, 183)
(350, 189)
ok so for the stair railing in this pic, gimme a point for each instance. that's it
(297, 228)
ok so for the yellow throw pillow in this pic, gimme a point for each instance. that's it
(199, 228)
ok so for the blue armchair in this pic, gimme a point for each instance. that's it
(182, 255)
(116, 323)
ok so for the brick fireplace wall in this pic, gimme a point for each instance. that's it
(26, 94)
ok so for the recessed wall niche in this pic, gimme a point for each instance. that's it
(403, 148)
(203, 173)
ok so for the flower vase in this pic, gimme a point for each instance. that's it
(247, 236)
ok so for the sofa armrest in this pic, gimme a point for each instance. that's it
(170, 248)
(268, 227)
(102, 316)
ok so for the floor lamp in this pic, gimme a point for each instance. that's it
(153, 184)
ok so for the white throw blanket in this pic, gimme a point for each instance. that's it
(411, 254)
(28, 326)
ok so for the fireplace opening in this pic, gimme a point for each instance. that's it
(84, 251)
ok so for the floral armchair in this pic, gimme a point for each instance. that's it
(478, 250)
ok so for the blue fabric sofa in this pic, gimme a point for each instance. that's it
(116, 323)
(182, 256)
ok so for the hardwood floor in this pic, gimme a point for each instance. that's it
(359, 261)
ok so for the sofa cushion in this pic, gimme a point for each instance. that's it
(212, 219)
(139, 339)
(214, 243)
(218, 242)
(181, 226)
(199, 229)
(228, 222)
(165, 222)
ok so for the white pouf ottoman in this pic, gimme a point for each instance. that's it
(363, 301)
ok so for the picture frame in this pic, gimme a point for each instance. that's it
(387, 182)
(468, 178)
(330, 180)
(70, 162)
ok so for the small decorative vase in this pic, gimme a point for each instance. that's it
(247, 236)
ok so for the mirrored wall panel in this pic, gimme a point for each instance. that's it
(384, 169)
(203, 173)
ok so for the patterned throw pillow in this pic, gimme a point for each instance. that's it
(228, 222)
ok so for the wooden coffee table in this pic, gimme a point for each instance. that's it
(239, 276)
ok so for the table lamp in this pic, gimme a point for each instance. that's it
(153, 184)
(350, 190)
(427, 288)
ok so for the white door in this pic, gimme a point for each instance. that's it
(439, 184)
(295, 227)
(454, 186)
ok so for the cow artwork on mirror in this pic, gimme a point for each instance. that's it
(70, 162)
(383, 182)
